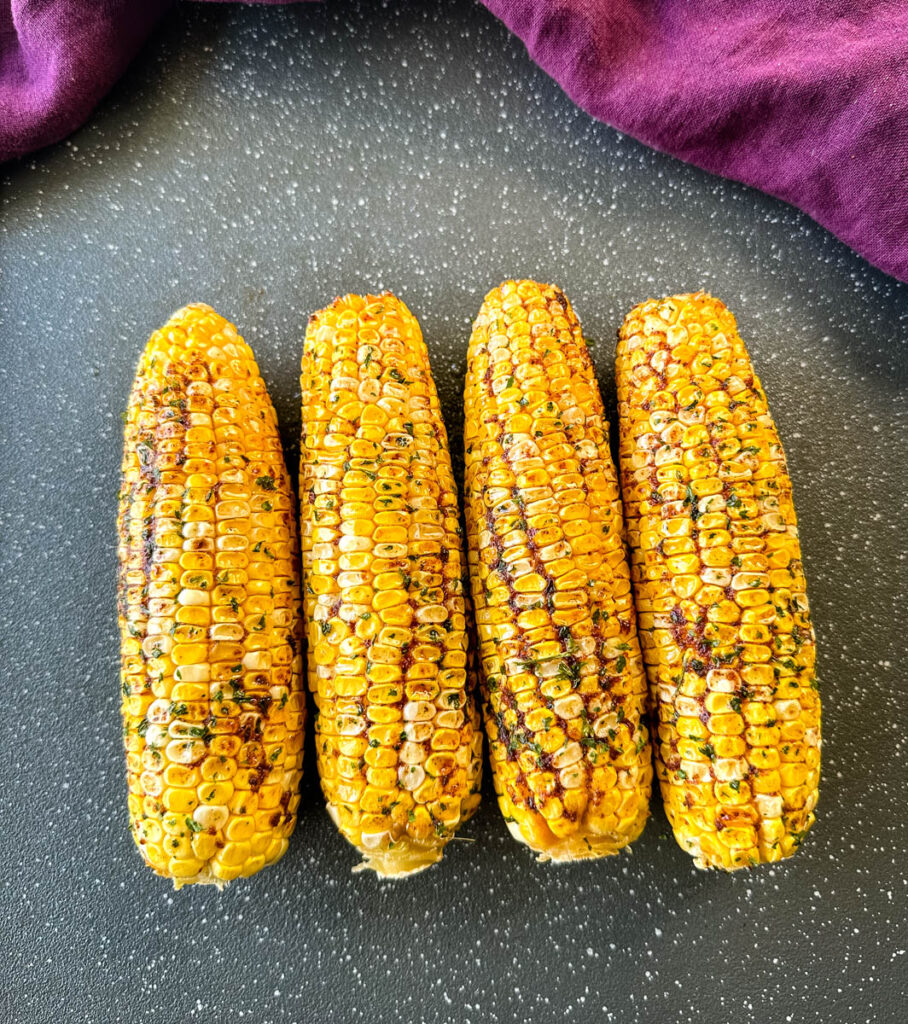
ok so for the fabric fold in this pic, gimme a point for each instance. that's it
(58, 58)
(805, 101)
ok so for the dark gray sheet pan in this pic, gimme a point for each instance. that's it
(264, 161)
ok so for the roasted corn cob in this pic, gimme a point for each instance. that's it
(397, 738)
(564, 686)
(209, 609)
(719, 586)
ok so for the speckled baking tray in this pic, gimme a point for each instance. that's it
(265, 160)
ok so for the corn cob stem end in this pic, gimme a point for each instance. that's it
(584, 845)
(404, 859)
(179, 883)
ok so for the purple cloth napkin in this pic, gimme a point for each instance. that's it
(58, 58)
(804, 99)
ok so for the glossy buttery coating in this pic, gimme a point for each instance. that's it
(209, 609)
(397, 733)
(719, 586)
(564, 686)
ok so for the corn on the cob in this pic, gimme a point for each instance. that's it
(564, 685)
(209, 609)
(719, 586)
(397, 738)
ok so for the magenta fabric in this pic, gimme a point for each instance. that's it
(58, 58)
(804, 99)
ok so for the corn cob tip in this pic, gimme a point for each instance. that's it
(668, 308)
(191, 310)
(525, 288)
(368, 304)
(589, 846)
(201, 879)
(404, 860)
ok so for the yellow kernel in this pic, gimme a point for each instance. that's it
(189, 654)
(240, 828)
(184, 868)
(388, 599)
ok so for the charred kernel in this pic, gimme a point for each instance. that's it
(716, 622)
(210, 616)
(398, 739)
(564, 684)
